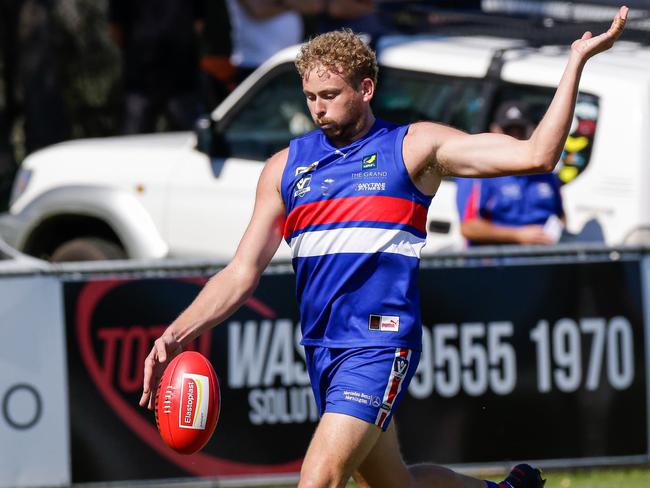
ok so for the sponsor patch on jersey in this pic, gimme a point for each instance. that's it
(400, 366)
(384, 323)
(306, 169)
(360, 397)
(369, 174)
(369, 162)
(512, 190)
(302, 186)
(544, 190)
(371, 186)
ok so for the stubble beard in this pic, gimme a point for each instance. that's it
(343, 133)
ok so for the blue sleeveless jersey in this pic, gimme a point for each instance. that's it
(355, 223)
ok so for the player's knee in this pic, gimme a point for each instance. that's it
(322, 476)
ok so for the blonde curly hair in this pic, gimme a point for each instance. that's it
(342, 52)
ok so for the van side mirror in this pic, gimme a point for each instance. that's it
(209, 140)
(204, 130)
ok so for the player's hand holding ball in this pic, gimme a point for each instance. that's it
(164, 350)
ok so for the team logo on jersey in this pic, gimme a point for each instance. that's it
(325, 186)
(400, 366)
(369, 162)
(302, 186)
(306, 169)
(384, 323)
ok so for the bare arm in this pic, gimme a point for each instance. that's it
(484, 231)
(226, 291)
(432, 150)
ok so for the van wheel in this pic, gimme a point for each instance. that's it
(87, 249)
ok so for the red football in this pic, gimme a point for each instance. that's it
(187, 402)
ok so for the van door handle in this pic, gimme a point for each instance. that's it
(439, 226)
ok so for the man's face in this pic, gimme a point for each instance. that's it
(335, 106)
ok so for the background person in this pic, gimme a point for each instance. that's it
(218, 73)
(514, 209)
(260, 28)
(362, 16)
(159, 42)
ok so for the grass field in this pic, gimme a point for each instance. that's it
(586, 478)
(599, 478)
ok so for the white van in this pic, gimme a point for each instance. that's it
(191, 194)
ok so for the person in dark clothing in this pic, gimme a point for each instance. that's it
(31, 79)
(218, 73)
(361, 16)
(159, 44)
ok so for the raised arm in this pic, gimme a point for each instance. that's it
(226, 291)
(432, 150)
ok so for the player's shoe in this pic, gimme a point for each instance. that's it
(524, 476)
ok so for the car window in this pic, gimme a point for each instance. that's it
(405, 96)
(579, 143)
(275, 111)
(271, 114)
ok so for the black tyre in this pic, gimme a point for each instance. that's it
(87, 249)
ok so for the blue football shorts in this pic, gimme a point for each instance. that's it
(365, 382)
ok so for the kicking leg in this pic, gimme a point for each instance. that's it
(384, 467)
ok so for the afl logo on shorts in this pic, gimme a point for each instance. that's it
(400, 366)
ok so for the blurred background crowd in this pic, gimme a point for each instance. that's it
(94, 68)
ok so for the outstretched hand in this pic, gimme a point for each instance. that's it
(163, 351)
(588, 46)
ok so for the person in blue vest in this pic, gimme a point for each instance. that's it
(514, 209)
(351, 199)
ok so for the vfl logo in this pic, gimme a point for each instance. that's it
(400, 366)
(306, 169)
(302, 186)
(369, 162)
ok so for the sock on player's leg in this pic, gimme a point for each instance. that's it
(492, 484)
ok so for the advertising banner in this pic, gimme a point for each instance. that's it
(543, 362)
(268, 413)
(529, 362)
(34, 434)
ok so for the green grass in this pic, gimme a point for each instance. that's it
(586, 478)
(599, 478)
